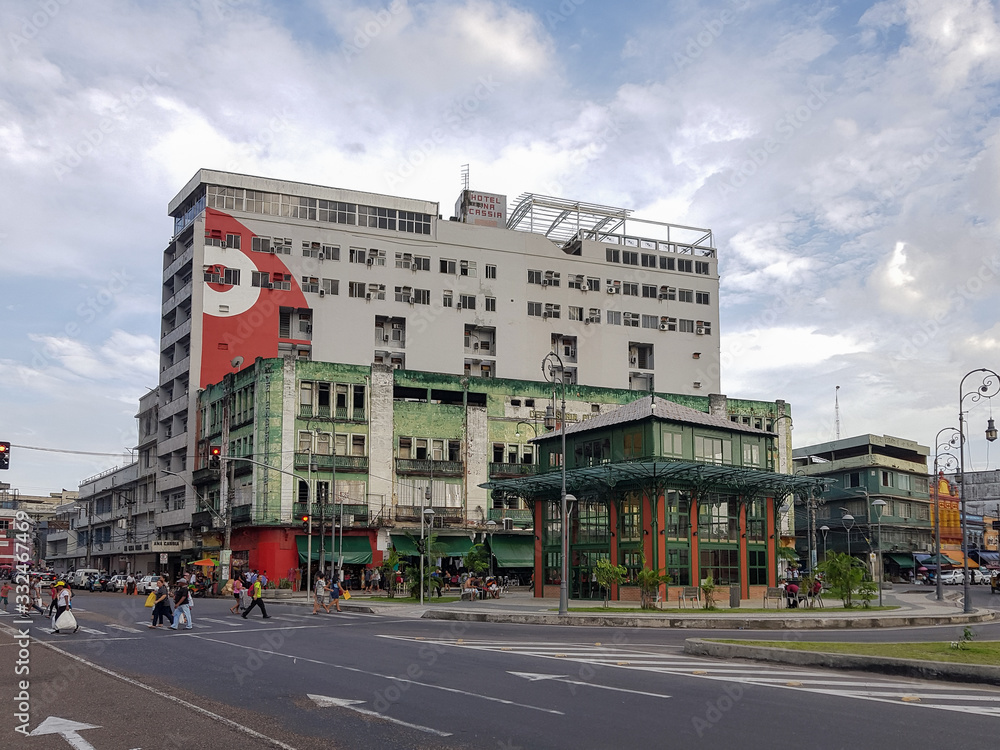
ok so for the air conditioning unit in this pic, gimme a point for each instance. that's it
(309, 329)
(546, 282)
(612, 290)
(397, 366)
(632, 361)
(696, 384)
(222, 245)
(664, 327)
(475, 347)
(587, 322)
(571, 353)
(545, 315)
(267, 285)
(661, 296)
(368, 296)
(413, 267)
(321, 256)
(272, 250)
(508, 524)
(411, 301)
(458, 306)
(322, 292)
(700, 330)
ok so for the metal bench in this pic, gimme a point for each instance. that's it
(776, 594)
(689, 594)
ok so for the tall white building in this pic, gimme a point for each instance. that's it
(267, 268)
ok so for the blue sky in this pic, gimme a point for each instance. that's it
(847, 157)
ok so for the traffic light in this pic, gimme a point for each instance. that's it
(4, 455)
(306, 525)
(215, 457)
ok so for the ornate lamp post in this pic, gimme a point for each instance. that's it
(550, 364)
(825, 530)
(491, 526)
(988, 388)
(942, 450)
(879, 505)
(848, 524)
(429, 513)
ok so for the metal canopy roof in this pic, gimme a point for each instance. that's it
(560, 219)
(688, 474)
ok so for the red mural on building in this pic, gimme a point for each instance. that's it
(241, 320)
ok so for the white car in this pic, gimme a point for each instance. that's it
(978, 575)
(117, 583)
(952, 577)
(147, 584)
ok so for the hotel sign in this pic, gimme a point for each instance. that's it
(482, 209)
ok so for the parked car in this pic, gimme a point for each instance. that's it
(951, 577)
(147, 584)
(117, 583)
(978, 575)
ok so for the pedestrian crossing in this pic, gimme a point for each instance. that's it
(981, 700)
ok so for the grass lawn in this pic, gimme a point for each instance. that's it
(976, 652)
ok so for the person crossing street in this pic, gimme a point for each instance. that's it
(257, 601)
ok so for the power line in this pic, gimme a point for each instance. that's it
(61, 450)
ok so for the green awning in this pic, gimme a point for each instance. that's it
(405, 546)
(514, 551)
(357, 549)
(452, 546)
(903, 561)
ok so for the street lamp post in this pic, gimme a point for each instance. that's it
(825, 530)
(429, 512)
(550, 359)
(942, 449)
(989, 388)
(848, 520)
(879, 505)
(491, 526)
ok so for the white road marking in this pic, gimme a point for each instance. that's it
(123, 628)
(325, 702)
(564, 678)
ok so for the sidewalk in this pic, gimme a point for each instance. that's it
(916, 606)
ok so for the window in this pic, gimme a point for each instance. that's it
(448, 266)
(376, 257)
(282, 245)
(630, 290)
(260, 244)
(404, 260)
(446, 298)
(648, 261)
(376, 218)
(575, 313)
(310, 284)
(233, 241)
(666, 264)
(668, 293)
(534, 277)
(650, 321)
(630, 258)
(853, 479)
(356, 289)
(702, 298)
(713, 450)
(357, 445)
(330, 252)
(467, 301)
(593, 284)
(902, 482)
(358, 255)
(262, 280)
(594, 315)
(632, 444)
(491, 271)
(491, 304)
(421, 263)
(701, 266)
(613, 255)
(887, 478)
(703, 327)
(649, 291)
(685, 295)
(535, 309)
(421, 296)
(310, 249)
(282, 281)
(631, 320)
(552, 278)
(331, 286)
(575, 282)
(670, 323)
(553, 311)
(403, 293)
(684, 265)
(467, 268)
(686, 326)
(409, 221)
(614, 318)
(376, 291)
(751, 454)
(672, 444)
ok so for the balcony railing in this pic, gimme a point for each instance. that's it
(498, 470)
(339, 414)
(427, 467)
(330, 510)
(203, 518)
(441, 515)
(324, 462)
(520, 515)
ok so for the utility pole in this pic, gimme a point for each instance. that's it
(227, 482)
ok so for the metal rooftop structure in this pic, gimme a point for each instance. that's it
(565, 222)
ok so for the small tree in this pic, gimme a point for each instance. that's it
(708, 588)
(844, 574)
(608, 575)
(390, 564)
(867, 592)
(477, 560)
(649, 581)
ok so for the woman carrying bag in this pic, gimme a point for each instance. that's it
(161, 606)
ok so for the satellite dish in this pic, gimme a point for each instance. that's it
(236, 362)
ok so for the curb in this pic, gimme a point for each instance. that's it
(708, 623)
(925, 670)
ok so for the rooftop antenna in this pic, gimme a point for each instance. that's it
(836, 410)
(465, 177)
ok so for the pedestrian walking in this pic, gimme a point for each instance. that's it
(376, 580)
(258, 601)
(319, 595)
(63, 596)
(4, 591)
(130, 585)
(182, 605)
(161, 605)
(35, 595)
(335, 593)
(238, 595)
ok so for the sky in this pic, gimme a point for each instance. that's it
(845, 155)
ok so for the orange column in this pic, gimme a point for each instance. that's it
(648, 528)
(539, 567)
(661, 541)
(744, 557)
(695, 558)
(772, 544)
(613, 525)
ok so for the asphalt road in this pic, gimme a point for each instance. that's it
(350, 681)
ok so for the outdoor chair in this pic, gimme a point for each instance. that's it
(775, 594)
(689, 594)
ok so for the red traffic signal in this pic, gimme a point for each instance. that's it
(306, 523)
(4, 455)
(214, 457)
